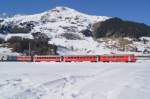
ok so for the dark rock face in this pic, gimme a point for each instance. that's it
(24, 27)
(1, 40)
(116, 27)
(87, 33)
(1, 20)
(13, 29)
(71, 36)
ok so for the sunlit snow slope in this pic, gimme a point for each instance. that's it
(63, 25)
(75, 81)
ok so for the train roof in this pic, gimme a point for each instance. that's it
(78, 55)
(47, 56)
(117, 54)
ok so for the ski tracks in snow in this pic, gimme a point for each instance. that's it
(67, 87)
(104, 82)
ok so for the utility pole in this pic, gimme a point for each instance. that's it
(29, 49)
(30, 53)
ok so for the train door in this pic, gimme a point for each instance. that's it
(129, 58)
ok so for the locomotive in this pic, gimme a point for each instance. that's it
(75, 58)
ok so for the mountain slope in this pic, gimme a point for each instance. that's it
(64, 26)
(116, 27)
(56, 21)
(67, 28)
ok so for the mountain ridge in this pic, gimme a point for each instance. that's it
(116, 27)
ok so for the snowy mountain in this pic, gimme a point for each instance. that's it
(63, 26)
(56, 21)
(66, 28)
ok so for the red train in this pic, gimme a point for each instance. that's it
(47, 58)
(118, 58)
(80, 58)
(23, 58)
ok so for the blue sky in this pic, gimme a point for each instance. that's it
(136, 10)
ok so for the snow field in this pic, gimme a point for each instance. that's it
(74, 80)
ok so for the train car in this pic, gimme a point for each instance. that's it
(23, 58)
(47, 58)
(117, 58)
(80, 58)
(11, 58)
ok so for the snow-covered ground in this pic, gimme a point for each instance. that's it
(7, 51)
(74, 80)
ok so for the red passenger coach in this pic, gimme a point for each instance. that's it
(117, 58)
(47, 58)
(80, 58)
(23, 58)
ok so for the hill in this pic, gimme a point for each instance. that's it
(116, 27)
